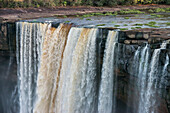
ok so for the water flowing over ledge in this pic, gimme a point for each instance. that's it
(67, 77)
(66, 69)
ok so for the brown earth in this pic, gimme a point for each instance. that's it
(12, 15)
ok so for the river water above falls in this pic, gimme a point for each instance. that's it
(129, 21)
(85, 68)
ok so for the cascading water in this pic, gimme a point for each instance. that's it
(148, 78)
(107, 100)
(29, 49)
(49, 73)
(142, 75)
(74, 86)
(163, 81)
(58, 71)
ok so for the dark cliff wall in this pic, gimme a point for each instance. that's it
(8, 68)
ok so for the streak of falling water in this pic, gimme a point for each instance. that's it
(151, 90)
(164, 73)
(82, 86)
(163, 45)
(165, 66)
(149, 80)
(149, 106)
(134, 70)
(142, 76)
(136, 60)
(62, 95)
(11, 56)
(107, 102)
(49, 73)
(27, 65)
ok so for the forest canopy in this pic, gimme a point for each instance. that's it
(53, 3)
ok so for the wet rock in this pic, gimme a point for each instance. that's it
(130, 34)
(145, 35)
(122, 37)
(155, 46)
(127, 41)
(168, 46)
(139, 35)
(138, 42)
(134, 41)
(141, 42)
(168, 41)
(168, 68)
(153, 40)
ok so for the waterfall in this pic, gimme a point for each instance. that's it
(163, 81)
(107, 100)
(68, 71)
(28, 54)
(59, 72)
(82, 76)
(49, 72)
(148, 78)
(142, 76)
(62, 95)
(151, 87)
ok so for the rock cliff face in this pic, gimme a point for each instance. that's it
(8, 68)
(129, 42)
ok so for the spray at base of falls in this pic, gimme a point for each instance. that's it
(57, 70)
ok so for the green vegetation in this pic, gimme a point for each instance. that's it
(125, 25)
(137, 27)
(130, 11)
(66, 21)
(133, 28)
(126, 18)
(158, 16)
(151, 24)
(138, 24)
(116, 13)
(168, 23)
(64, 16)
(88, 19)
(101, 25)
(123, 29)
(159, 10)
(94, 14)
(53, 3)
(117, 25)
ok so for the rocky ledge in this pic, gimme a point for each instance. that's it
(152, 36)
